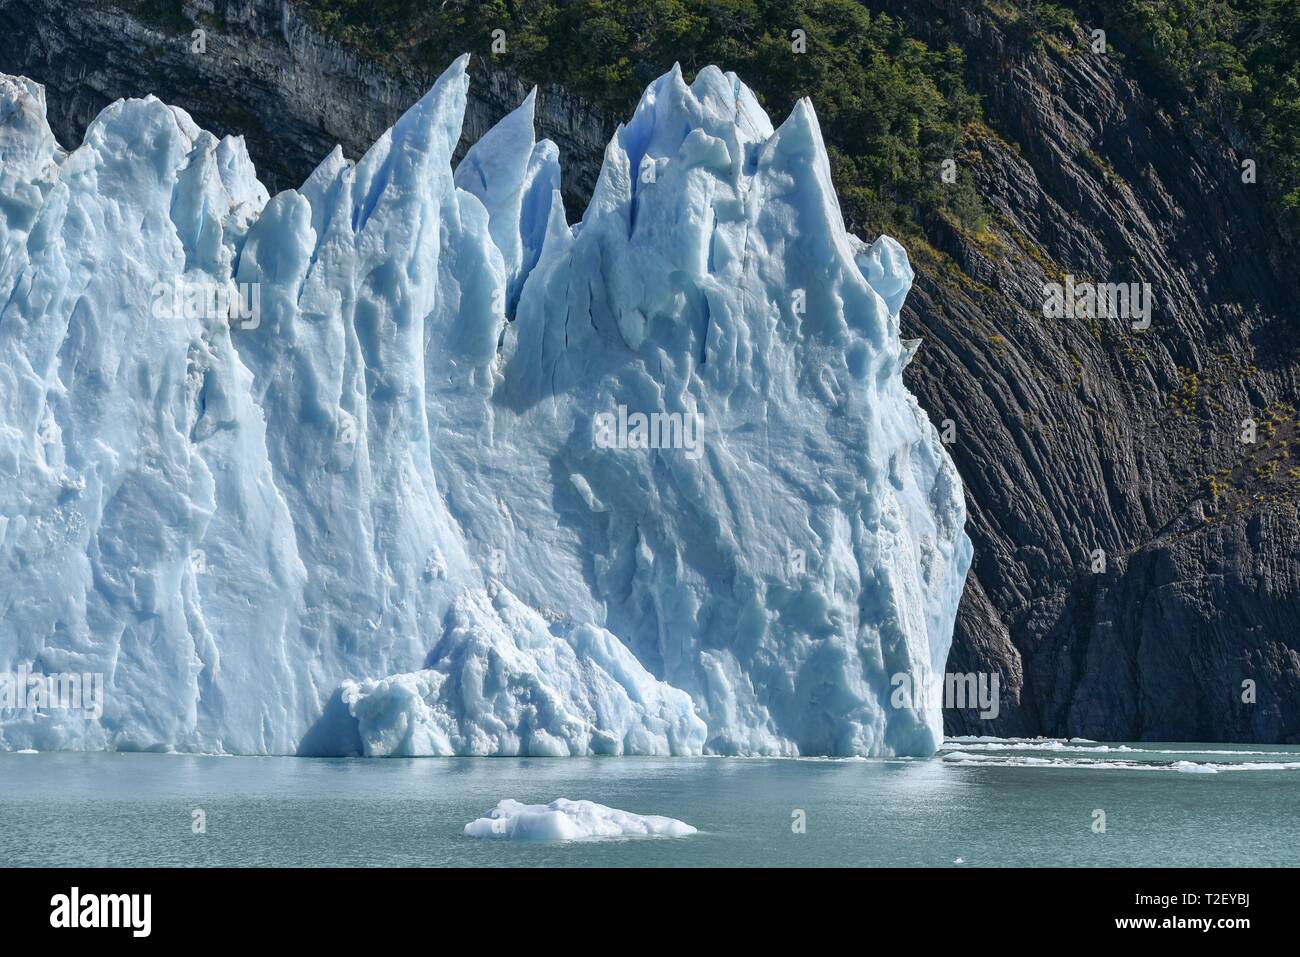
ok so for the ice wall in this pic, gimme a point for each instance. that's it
(389, 496)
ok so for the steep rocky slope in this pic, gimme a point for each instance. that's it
(1072, 435)
(1081, 434)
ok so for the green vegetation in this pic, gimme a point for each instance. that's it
(1235, 63)
(1033, 21)
(167, 15)
(891, 107)
(1239, 63)
(1263, 464)
(1103, 169)
(1266, 469)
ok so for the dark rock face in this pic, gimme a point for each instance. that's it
(1165, 646)
(1075, 435)
(265, 74)
(1137, 565)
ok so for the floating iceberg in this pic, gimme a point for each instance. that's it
(564, 820)
(401, 463)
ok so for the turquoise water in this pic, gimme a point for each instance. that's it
(986, 803)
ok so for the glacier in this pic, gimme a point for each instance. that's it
(361, 494)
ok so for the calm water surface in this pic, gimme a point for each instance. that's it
(986, 803)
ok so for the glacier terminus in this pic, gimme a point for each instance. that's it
(402, 463)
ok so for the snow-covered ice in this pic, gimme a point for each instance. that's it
(361, 498)
(564, 820)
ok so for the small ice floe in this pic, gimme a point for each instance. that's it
(960, 860)
(27, 751)
(565, 820)
(1191, 767)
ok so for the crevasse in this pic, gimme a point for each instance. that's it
(381, 517)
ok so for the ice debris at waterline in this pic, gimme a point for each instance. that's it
(402, 463)
(963, 759)
(564, 820)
